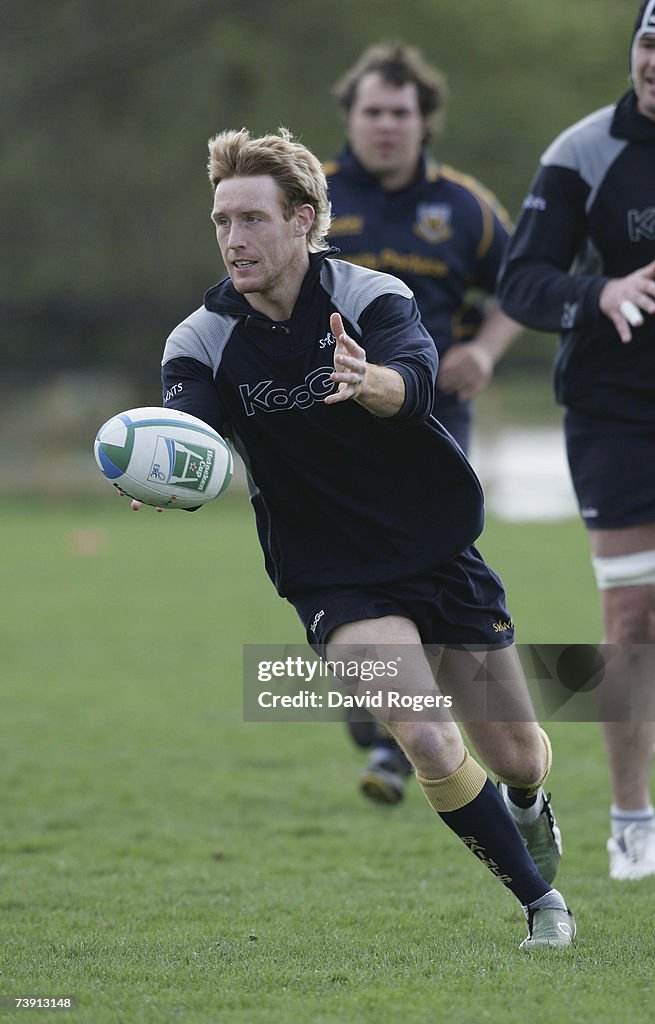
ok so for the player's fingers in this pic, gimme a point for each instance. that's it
(448, 382)
(464, 381)
(134, 504)
(470, 390)
(622, 328)
(344, 339)
(336, 325)
(631, 312)
(351, 350)
(646, 300)
(345, 392)
(350, 362)
(346, 377)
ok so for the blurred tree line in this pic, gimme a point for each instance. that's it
(108, 107)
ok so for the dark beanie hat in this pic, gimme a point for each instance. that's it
(645, 21)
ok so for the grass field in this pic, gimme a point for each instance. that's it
(160, 860)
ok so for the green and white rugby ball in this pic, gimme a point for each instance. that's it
(163, 457)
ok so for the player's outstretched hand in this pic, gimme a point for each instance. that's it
(349, 364)
(625, 299)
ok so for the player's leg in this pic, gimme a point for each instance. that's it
(455, 785)
(513, 747)
(504, 732)
(436, 747)
(624, 562)
(611, 470)
(387, 770)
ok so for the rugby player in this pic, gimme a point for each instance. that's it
(322, 376)
(582, 263)
(398, 209)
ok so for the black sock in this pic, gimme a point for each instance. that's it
(522, 797)
(486, 827)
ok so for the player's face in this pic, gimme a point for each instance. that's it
(386, 129)
(643, 74)
(264, 251)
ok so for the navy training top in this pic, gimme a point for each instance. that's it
(589, 216)
(341, 497)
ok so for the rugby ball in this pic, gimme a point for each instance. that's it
(163, 457)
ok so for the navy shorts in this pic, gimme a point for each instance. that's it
(459, 603)
(612, 467)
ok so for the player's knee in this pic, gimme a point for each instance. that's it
(525, 760)
(629, 617)
(429, 746)
(627, 585)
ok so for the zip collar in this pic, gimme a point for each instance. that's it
(224, 298)
(427, 170)
(628, 123)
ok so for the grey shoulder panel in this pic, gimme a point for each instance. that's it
(202, 336)
(587, 147)
(353, 288)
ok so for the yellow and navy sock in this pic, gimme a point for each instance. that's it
(470, 804)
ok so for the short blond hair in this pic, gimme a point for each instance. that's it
(295, 169)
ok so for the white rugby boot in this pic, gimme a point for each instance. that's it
(633, 856)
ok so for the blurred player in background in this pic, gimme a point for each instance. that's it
(398, 209)
(582, 262)
(322, 376)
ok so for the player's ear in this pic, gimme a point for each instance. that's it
(305, 216)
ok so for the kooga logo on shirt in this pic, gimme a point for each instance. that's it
(269, 397)
(641, 224)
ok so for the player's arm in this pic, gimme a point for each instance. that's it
(392, 372)
(535, 286)
(379, 389)
(466, 368)
(188, 385)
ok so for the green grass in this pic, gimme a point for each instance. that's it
(160, 860)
